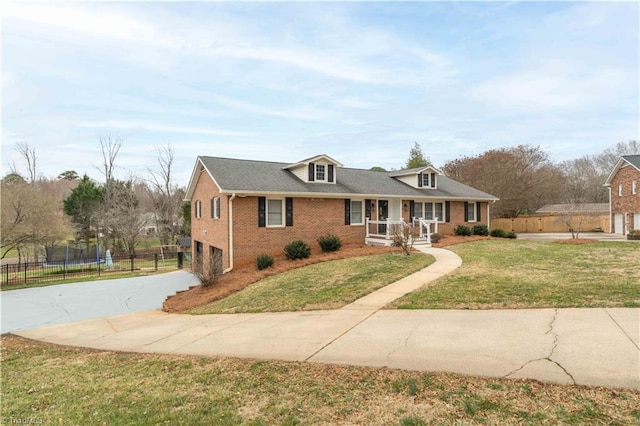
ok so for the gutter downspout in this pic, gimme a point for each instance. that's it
(230, 268)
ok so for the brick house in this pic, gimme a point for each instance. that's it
(242, 208)
(624, 195)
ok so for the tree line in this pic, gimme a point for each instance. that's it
(42, 212)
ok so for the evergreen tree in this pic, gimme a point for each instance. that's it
(83, 205)
(417, 158)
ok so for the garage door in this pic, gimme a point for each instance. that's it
(619, 222)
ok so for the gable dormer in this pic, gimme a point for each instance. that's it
(318, 169)
(420, 177)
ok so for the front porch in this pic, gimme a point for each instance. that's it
(383, 232)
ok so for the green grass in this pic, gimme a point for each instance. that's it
(61, 385)
(523, 274)
(327, 285)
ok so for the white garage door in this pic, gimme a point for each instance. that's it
(619, 224)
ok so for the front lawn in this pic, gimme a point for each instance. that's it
(498, 274)
(49, 384)
(327, 285)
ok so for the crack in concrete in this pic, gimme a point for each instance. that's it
(111, 325)
(342, 334)
(548, 357)
(406, 345)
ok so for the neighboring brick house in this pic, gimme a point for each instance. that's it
(624, 194)
(241, 208)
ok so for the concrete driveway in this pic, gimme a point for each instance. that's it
(58, 304)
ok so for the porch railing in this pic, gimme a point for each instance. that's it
(388, 228)
(383, 228)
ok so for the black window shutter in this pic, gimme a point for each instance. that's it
(433, 180)
(419, 180)
(330, 177)
(289, 203)
(262, 212)
(347, 211)
(412, 210)
(479, 211)
(447, 212)
(367, 209)
(312, 172)
(466, 211)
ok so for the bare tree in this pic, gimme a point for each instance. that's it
(522, 177)
(167, 197)
(110, 148)
(30, 158)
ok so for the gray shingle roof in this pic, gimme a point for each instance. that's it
(248, 176)
(633, 159)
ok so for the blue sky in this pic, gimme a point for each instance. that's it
(281, 81)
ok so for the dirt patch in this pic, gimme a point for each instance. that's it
(576, 241)
(244, 275)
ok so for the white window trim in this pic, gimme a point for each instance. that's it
(472, 210)
(427, 177)
(362, 212)
(325, 172)
(634, 187)
(215, 212)
(282, 211)
(198, 208)
(620, 190)
(433, 210)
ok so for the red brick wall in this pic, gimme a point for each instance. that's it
(628, 202)
(312, 218)
(211, 232)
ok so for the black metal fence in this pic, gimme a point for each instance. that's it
(39, 272)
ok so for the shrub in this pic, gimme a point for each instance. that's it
(462, 230)
(481, 230)
(264, 261)
(297, 250)
(498, 233)
(206, 274)
(512, 235)
(435, 237)
(330, 242)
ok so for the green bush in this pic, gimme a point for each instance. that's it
(481, 230)
(330, 242)
(512, 235)
(297, 250)
(264, 261)
(463, 231)
(498, 233)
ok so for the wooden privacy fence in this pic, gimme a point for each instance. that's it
(553, 223)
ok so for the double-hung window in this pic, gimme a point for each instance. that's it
(357, 216)
(425, 179)
(215, 208)
(471, 211)
(417, 210)
(439, 212)
(320, 172)
(275, 209)
(198, 209)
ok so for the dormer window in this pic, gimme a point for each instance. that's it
(426, 180)
(321, 172)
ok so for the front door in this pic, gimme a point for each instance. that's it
(383, 214)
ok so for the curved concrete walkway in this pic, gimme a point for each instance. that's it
(574, 346)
